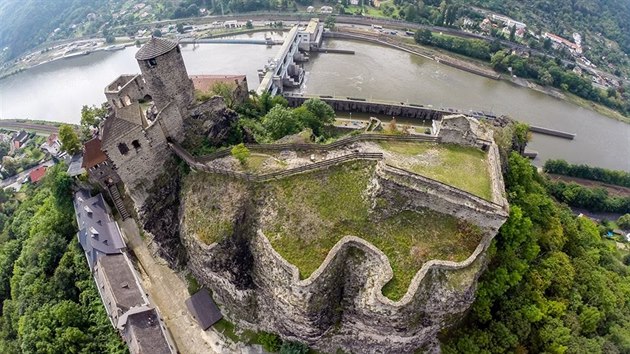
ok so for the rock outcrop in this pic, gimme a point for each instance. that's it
(341, 305)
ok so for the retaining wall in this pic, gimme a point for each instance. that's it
(318, 147)
(424, 192)
(360, 105)
(341, 304)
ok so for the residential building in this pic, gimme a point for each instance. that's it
(118, 284)
(20, 138)
(52, 145)
(36, 175)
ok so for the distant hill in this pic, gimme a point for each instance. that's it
(611, 18)
(28, 23)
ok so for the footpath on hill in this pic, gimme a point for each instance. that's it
(169, 292)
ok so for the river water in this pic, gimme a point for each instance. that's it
(57, 90)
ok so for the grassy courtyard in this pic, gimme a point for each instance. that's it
(462, 167)
(307, 214)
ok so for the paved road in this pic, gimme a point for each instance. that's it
(169, 292)
(15, 182)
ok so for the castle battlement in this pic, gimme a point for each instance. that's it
(341, 304)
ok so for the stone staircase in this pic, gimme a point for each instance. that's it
(117, 199)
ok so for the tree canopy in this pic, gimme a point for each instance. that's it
(69, 140)
(553, 284)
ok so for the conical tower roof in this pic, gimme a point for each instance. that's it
(155, 47)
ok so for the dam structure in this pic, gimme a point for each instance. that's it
(283, 70)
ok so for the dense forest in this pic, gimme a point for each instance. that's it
(49, 301)
(553, 284)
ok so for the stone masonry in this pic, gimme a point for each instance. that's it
(341, 304)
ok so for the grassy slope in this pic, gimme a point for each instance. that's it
(211, 204)
(462, 167)
(318, 209)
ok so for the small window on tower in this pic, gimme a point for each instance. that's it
(135, 144)
(122, 147)
(152, 63)
(177, 49)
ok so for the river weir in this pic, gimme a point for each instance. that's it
(56, 91)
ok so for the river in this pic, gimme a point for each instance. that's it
(56, 91)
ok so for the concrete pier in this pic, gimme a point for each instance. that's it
(362, 105)
(551, 132)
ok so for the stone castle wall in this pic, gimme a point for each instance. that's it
(170, 120)
(341, 304)
(138, 167)
(371, 107)
(125, 90)
(423, 192)
(167, 79)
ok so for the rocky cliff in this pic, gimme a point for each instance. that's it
(341, 304)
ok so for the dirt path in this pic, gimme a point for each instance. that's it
(168, 292)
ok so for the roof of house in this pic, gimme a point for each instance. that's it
(75, 166)
(122, 281)
(20, 136)
(37, 174)
(143, 328)
(115, 127)
(203, 309)
(155, 47)
(98, 233)
(204, 83)
(52, 138)
(92, 154)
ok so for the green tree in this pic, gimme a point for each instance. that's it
(69, 140)
(157, 33)
(624, 221)
(411, 12)
(281, 121)
(423, 36)
(294, 348)
(241, 153)
(91, 118)
(270, 342)
(329, 22)
(180, 28)
(249, 24)
(225, 90)
(315, 113)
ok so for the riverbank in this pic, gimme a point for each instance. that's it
(89, 46)
(472, 66)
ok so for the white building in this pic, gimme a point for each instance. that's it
(325, 10)
(508, 21)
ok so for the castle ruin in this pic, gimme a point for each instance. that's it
(148, 110)
(341, 305)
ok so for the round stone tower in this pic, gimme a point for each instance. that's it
(164, 73)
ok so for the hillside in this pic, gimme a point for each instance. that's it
(554, 284)
(49, 301)
(563, 17)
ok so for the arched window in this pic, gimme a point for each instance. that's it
(152, 63)
(136, 144)
(122, 147)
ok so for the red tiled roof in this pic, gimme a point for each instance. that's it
(93, 154)
(37, 174)
(51, 139)
(204, 83)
